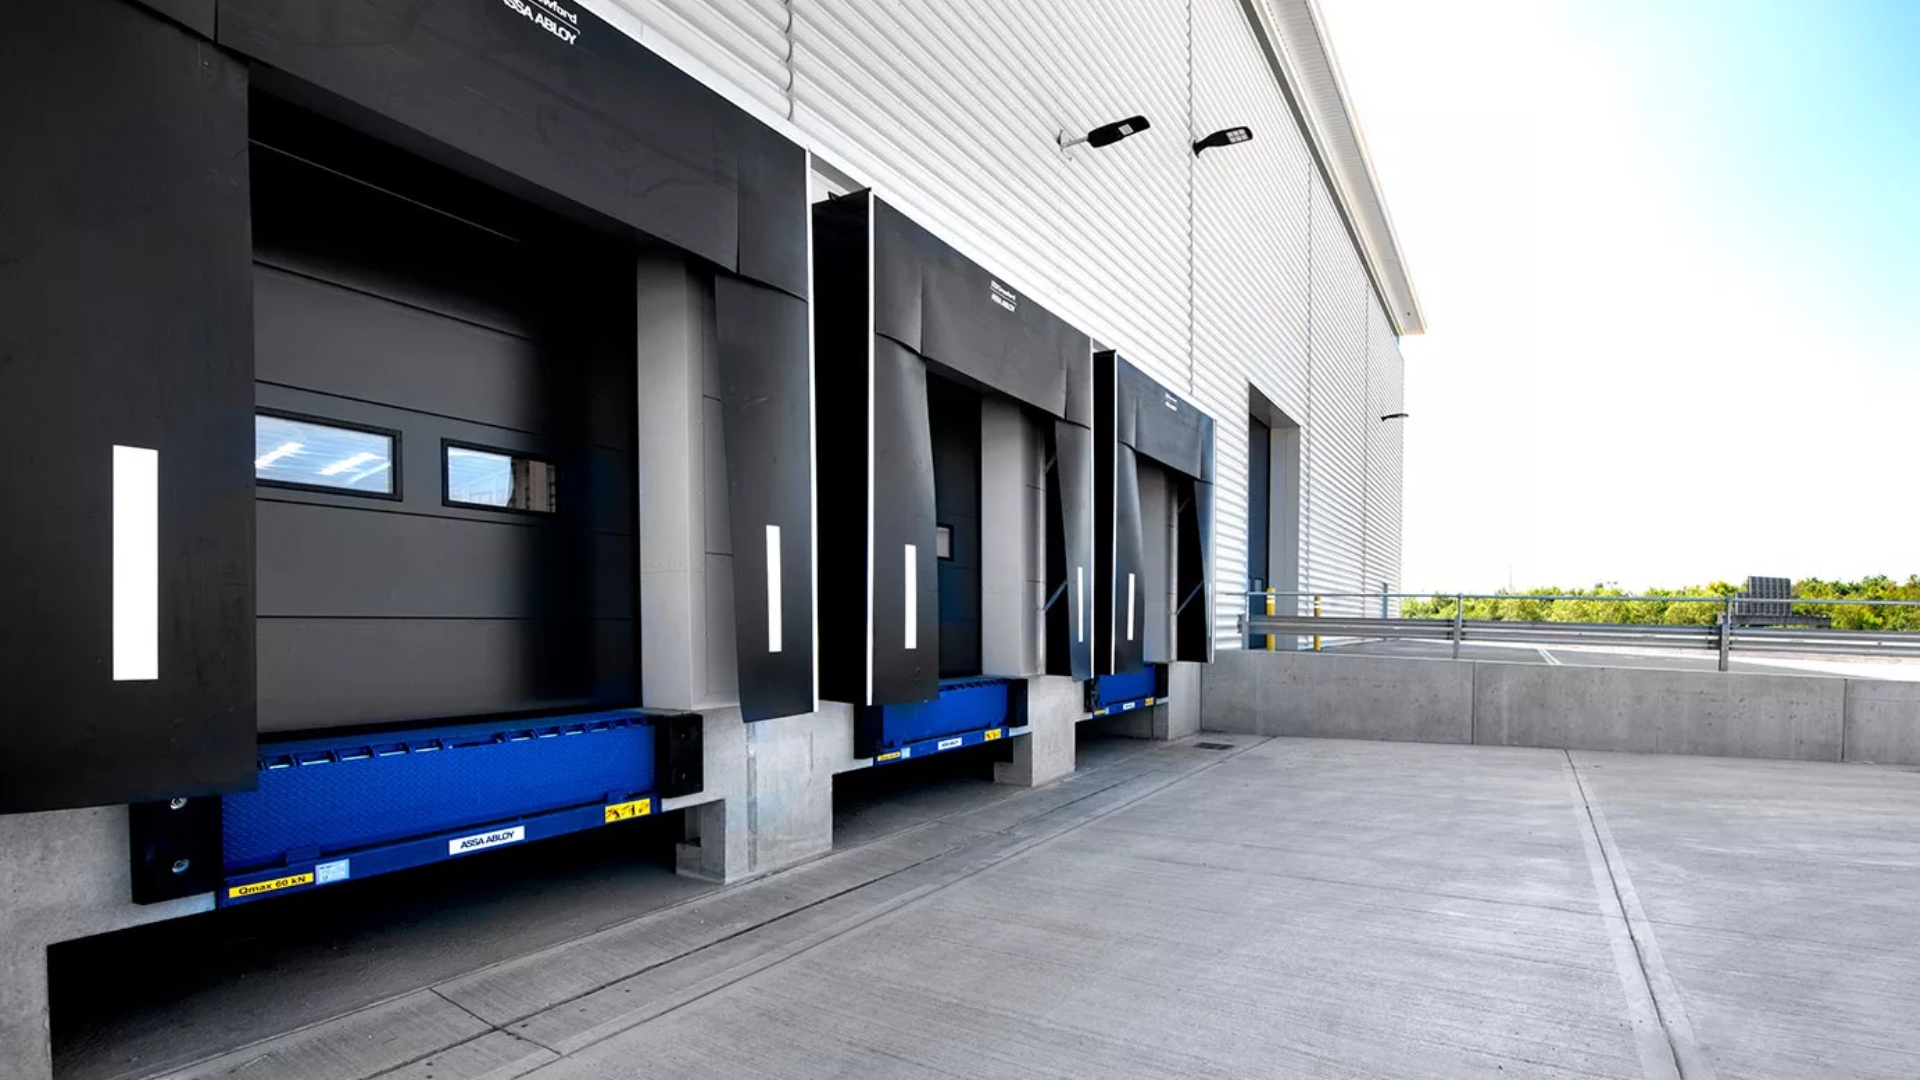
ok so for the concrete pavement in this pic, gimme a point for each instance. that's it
(1286, 908)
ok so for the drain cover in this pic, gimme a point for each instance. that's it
(1213, 746)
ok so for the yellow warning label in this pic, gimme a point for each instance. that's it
(888, 756)
(1149, 701)
(255, 888)
(991, 735)
(625, 810)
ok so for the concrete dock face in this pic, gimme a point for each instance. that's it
(63, 875)
(1281, 907)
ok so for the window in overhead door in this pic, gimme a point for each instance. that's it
(297, 452)
(500, 479)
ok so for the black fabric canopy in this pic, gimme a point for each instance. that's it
(893, 299)
(1139, 417)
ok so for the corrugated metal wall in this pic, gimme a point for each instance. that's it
(952, 109)
(1251, 274)
(1334, 471)
(1214, 274)
(743, 42)
(1385, 396)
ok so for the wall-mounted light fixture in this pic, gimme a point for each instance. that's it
(1107, 134)
(1395, 416)
(1224, 137)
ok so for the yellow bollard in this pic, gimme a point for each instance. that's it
(1270, 613)
(1316, 614)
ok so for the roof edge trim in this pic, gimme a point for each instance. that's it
(1296, 44)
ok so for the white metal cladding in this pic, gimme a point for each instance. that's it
(1213, 274)
(743, 42)
(1307, 58)
(1251, 249)
(1381, 551)
(1336, 435)
(953, 110)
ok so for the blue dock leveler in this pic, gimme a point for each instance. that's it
(1111, 695)
(968, 712)
(340, 807)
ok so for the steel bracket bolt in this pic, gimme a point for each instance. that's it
(176, 804)
(180, 866)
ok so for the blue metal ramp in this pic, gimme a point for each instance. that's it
(333, 808)
(968, 712)
(1110, 695)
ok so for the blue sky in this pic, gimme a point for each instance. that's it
(1793, 129)
(1669, 253)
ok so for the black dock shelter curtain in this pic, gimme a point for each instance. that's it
(1138, 417)
(140, 193)
(1071, 613)
(894, 301)
(574, 115)
(765, 416)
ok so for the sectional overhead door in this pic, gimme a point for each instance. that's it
(444, 465)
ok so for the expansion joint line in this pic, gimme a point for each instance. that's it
(1650, 986)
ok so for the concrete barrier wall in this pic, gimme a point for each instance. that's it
(1646, 710)
(1338, 696)
(1883, 722)
(1658, 711)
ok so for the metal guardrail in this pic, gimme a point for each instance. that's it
(1725, 636)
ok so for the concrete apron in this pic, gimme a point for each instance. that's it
(1490, 703)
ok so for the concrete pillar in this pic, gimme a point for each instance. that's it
(768, 799)
(1055, 704)
(790, 764)
(1180, 716)
(1012, 540)
(63, 875)
(1157, 553)
(686, 559)
(1284, 554)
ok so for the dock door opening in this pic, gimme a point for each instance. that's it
(953, 414)
(443, 442)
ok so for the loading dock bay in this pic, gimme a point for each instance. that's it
(1301, 908)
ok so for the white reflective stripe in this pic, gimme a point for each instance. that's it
(136, 564)
(1129, 607)
(913, 600)
(773, 588)
(1080, 602)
